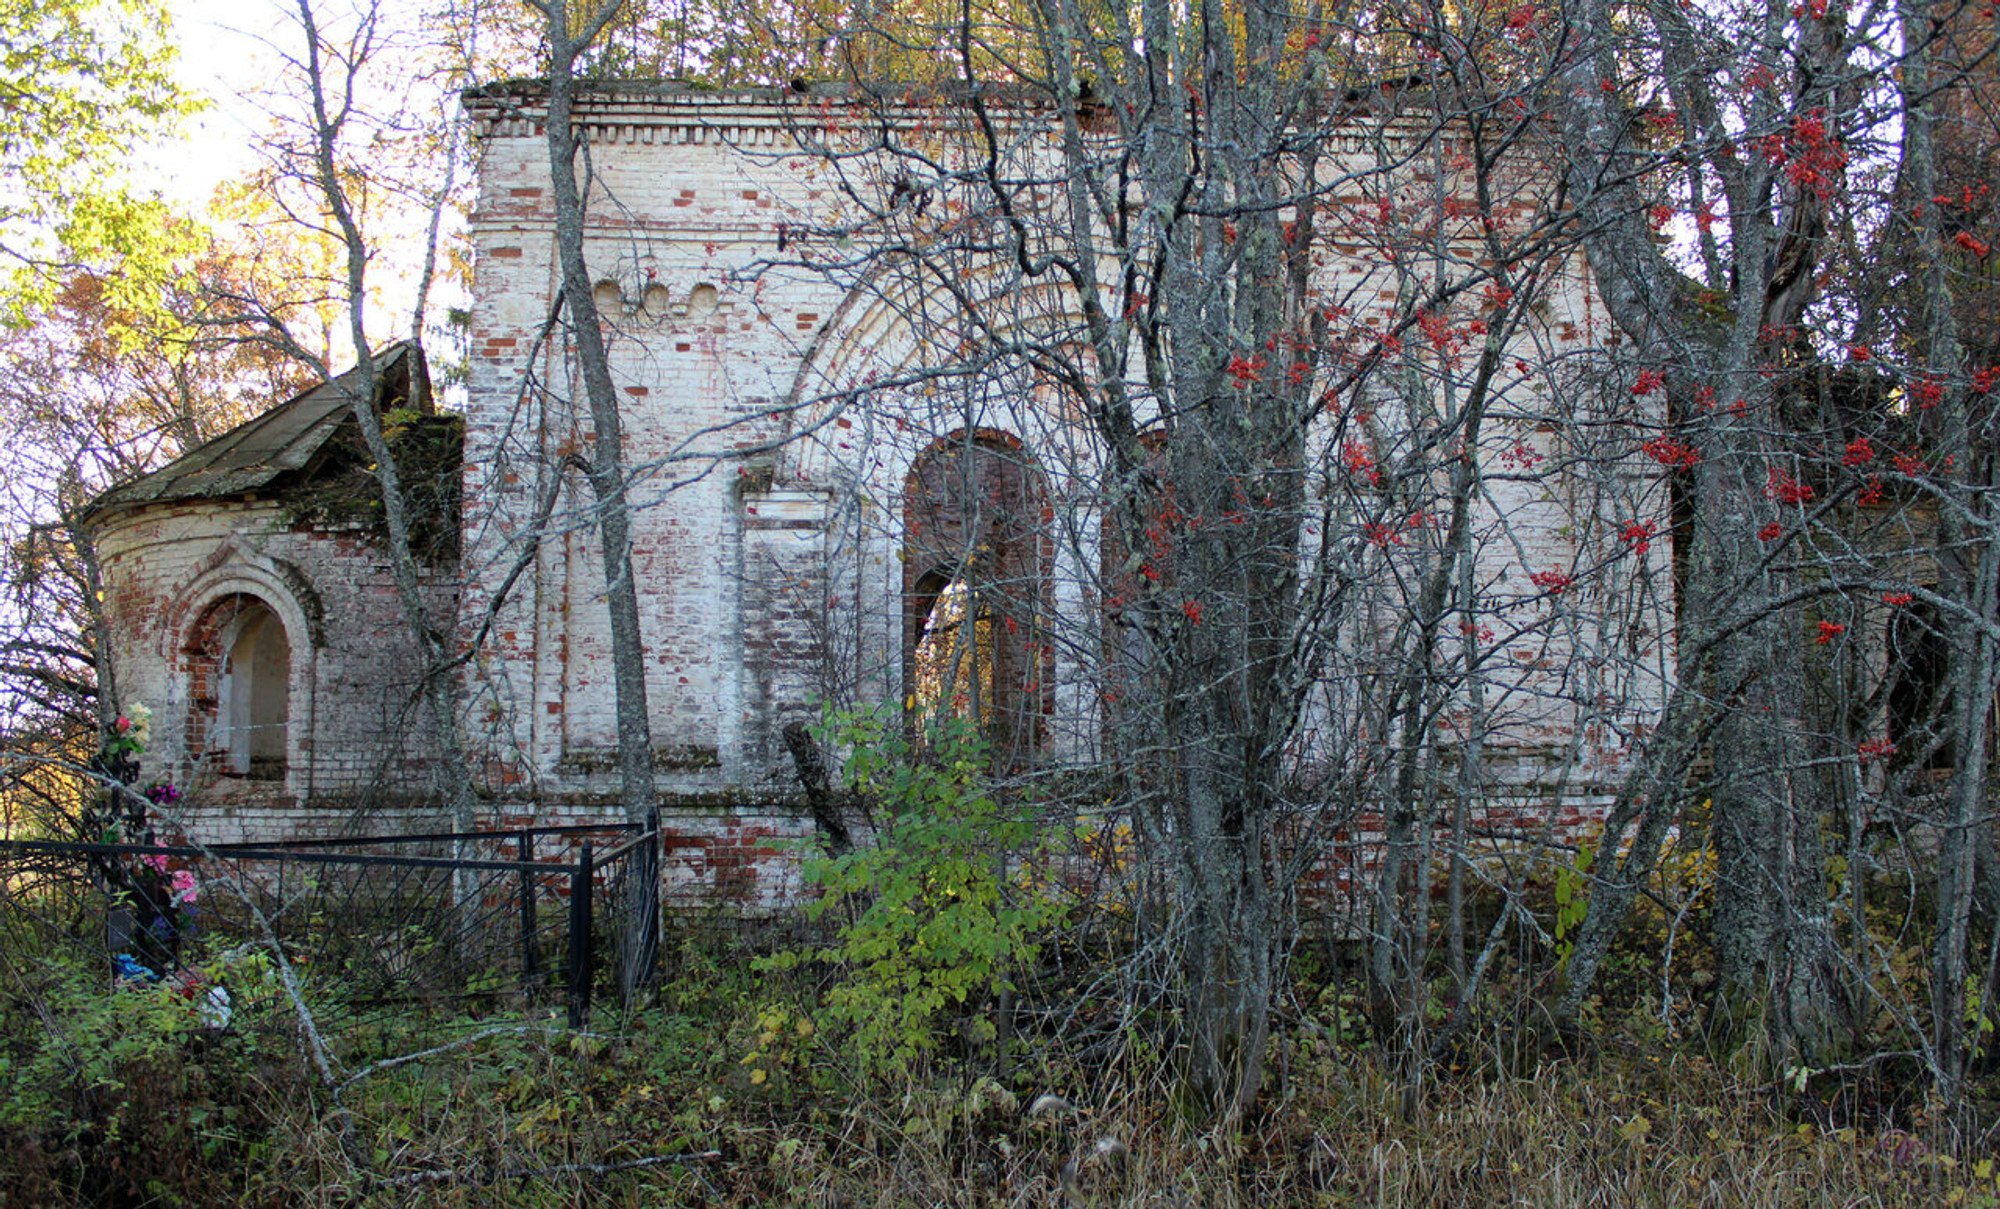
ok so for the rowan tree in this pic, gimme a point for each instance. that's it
(1267, 312)
(1804, 314)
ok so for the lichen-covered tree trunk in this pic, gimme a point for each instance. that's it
(1742, 621)
(1969, 556)
(606, 467)
(450, 773)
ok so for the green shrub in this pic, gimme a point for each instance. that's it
(109, 1094)
(934, 919)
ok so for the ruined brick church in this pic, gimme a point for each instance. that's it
(797, 539)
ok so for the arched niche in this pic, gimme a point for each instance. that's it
(239, 660)
(253, 714)
(244, 656)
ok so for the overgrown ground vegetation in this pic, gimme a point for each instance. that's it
(947, 1028)
(727, 1092)
(1764, 988)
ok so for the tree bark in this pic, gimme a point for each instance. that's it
(449, 770)
(606, 462)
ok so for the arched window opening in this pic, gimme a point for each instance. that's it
(242, 671)
(956, 654)
(974, 592)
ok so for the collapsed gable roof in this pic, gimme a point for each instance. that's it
(279, 444)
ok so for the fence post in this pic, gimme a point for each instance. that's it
(579, 939)
(531, 959)
(641, 926)
(655, 854)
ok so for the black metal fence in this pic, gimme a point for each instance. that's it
(367, 927)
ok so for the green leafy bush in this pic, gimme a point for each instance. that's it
(110, 1093)
(934, 917)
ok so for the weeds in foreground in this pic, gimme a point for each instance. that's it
(661, 1108)
(1020, 1077)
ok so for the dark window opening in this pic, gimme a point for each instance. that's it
(974, 592)
(1920, 723)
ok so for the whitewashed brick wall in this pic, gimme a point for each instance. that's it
(746, 561)
(357, 735)
(766, 539)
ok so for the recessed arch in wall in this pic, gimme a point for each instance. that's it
(874, 366)
(244, 653)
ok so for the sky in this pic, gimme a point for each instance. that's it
(228, 55)
(236, 54)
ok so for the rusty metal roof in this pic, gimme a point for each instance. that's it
(284, 440)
